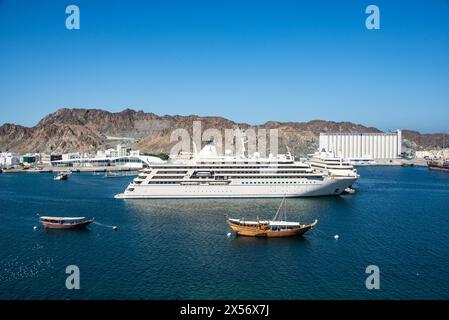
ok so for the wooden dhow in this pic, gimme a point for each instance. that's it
(276, 228)
(64, 222)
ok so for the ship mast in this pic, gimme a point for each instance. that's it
(279, 210)
(285, 209)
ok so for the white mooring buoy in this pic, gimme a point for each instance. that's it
(229, 234)
(34, 228)
(114, 228)
(336, 237)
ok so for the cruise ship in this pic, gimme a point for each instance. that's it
(328, 164)
(206, 174)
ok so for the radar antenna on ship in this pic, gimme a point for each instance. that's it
(195, 150)
(288, 152)
(243, 146)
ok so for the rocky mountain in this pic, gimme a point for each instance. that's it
(427, 140)
(87, 130)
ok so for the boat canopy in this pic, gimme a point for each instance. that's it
(284, 224)
(248, 221)
(63, 218)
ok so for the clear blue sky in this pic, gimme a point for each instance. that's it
(250, 61)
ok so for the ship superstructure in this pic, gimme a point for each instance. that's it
(327, 163)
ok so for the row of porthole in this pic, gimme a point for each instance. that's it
(209, 191)
(283, 182)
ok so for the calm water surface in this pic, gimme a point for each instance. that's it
(178, 249)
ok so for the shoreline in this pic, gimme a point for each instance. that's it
(397, 163)
(48, 169)
(72, 169)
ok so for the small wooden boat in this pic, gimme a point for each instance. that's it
(65, 222)
(270, 228)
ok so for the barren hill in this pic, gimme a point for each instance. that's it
(87, 130)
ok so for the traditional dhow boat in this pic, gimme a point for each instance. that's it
(65, 222)
(277, 227)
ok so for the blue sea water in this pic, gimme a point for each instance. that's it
(178, 249)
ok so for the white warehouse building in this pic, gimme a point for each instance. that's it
(362, 145)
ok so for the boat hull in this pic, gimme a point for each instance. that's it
(439, 168)
(334, 186)
(52, 225)
(61, 177)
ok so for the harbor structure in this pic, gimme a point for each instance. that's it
(368, 146)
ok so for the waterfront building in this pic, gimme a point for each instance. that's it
(55, 157)
(46, 159)
(131, 162)
(71, 156)
(432, 154)
(111, 153)
(367, 146)
(29, 159)
(101, 153)
(122, 151)
(8, 159)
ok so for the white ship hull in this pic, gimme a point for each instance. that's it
(329, 186)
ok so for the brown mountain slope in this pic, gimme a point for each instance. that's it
(427, 140)
(87, 130)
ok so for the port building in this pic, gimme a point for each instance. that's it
(134, 162)
(383, 145)
(8, 159)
